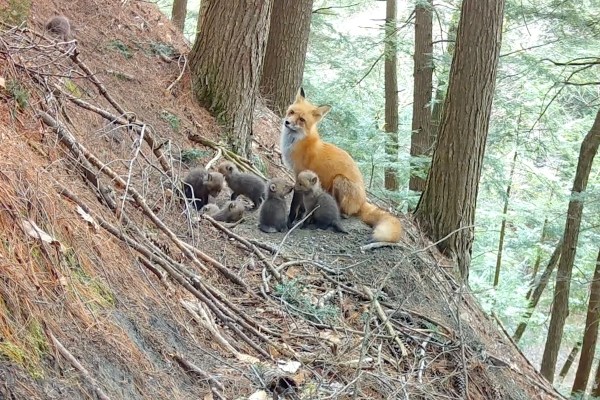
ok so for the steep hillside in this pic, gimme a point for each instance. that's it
(109, 290)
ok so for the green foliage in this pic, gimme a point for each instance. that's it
(15, 12)
(121, 48)
(191, 156)
(534, 113)
(294, 295)
(29, 352)
(72, 87)
(18, 93)
(172, 119)
(98, 291)
(164, 49)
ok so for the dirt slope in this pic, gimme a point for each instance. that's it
(109, 290)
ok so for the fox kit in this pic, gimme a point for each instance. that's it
(273, 212)
(60, 27)
(327, 213)
(232, 211)
(249, 185)
(210, 209)
(302, 149)
(199, 183)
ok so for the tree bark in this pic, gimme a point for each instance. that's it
(537, 292)
(569, 361)
(590, 335)
(226, 63)
(596, 387)
(447, 206)
(560, 305)
(179, 13)
(286, 52)
(423, 136)
(391, 95)
(503, 224)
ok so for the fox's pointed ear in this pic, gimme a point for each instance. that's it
(300, 95)
(323, 110)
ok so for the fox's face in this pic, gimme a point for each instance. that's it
(279, 188)
(306, 181)
(302, 117)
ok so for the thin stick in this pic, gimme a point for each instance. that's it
(385, 320)
(290, 231)
(215, 386)
(66, 354)
(180, 74)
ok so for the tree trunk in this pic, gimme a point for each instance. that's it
(538, 259)
(178, 14)
(422, 138)
(286, 52)
(569, 361)
(391, 96)
(596, 387)
(503, 224)
(447, 206)
(590, 335)
(560, 306)
(537, 292)
(226, 63)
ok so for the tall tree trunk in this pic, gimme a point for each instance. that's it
(178, 14)
(590, 334)
(286, 52)
(560, 306)
(538, 259)
(391, 95)
(226, 63)
(503, 224)
(537, 292)
(447, 206)
(596, 386)
(422, 138)
(569, 361)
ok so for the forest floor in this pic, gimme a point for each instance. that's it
(110, 290)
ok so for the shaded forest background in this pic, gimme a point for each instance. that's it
(545, 102)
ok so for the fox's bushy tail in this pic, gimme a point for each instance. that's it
(386, 227)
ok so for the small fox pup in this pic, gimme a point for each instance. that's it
(249, 185)
(327, 213)
(302, 149)
(60, 27)
(210, 209)
(199, 183)
(273, 212)
(232, 211)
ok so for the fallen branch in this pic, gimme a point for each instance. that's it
(243, 163)
(214, 159)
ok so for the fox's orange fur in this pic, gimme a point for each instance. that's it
(302, 149)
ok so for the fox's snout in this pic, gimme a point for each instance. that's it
(290, 124)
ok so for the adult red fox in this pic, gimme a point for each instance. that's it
(302, 149)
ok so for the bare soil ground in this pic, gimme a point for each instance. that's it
(109, 289)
